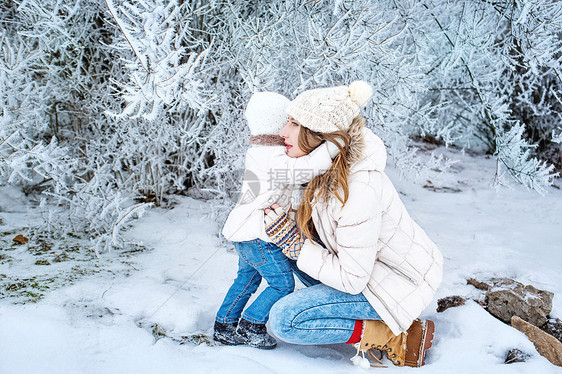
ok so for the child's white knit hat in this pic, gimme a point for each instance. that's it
(266, 113)
(330, 109)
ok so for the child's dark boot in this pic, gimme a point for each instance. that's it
(225, 333)
(255, 335)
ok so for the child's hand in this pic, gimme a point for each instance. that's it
(273, 207)
(283, 231)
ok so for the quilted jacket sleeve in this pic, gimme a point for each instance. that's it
(299, 170)
(349, 265)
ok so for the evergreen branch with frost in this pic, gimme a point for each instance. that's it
(556, 138)
(158, 77)
(513, 153)
(125, 217)
(126, 32)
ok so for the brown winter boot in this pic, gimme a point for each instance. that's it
(405, 349)
(419, 340)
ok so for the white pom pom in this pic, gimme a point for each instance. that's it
(360, 92)
(364, 363)
(356, 360)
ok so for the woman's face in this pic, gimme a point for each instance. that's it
(291, 135)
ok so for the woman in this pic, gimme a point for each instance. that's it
(378, 268)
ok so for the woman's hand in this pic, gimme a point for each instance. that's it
(283, 231)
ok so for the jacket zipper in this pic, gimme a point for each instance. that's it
(388, 309)
(400, 272)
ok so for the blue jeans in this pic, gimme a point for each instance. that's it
(257, 260)
(319, 315)
(306, 279)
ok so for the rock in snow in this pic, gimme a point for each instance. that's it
(553, 327)
(508, 298)
(516, 355)
(449, 302)
(547, 345)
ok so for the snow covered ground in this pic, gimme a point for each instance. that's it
(103, 322)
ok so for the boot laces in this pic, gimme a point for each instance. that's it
(371, 355)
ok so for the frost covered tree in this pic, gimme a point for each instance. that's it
(56, 68)
(25, 158)
(30, 154)
(493, 62)
(109, 106)
(438, 68)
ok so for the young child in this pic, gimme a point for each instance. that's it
(269, 178)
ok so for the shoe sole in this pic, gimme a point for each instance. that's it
(263, 347)
(243, 341)
(225, 342)
(428, 334)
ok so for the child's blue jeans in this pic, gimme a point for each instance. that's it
(257, 260)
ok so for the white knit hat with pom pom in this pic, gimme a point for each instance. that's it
(330, 109)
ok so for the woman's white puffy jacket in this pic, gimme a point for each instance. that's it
(373, 246)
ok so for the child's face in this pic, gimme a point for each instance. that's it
(291, 135)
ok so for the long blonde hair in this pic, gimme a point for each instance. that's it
(332, 183)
